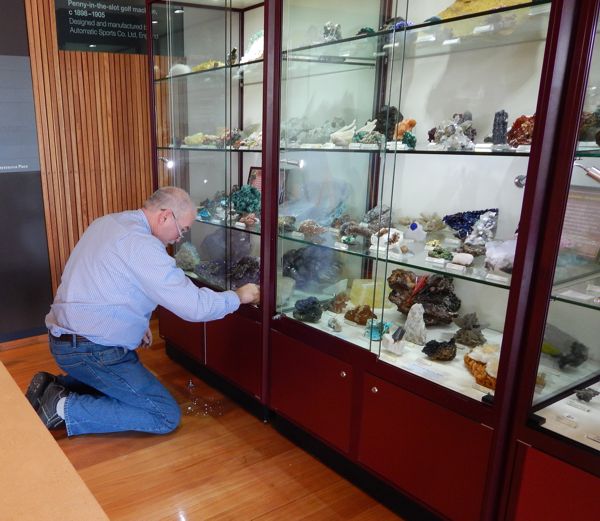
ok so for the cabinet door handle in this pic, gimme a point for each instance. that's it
(374, 390)
(343, 374)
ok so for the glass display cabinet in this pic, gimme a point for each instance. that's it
(405, 141)
(567, 395)
(207, 79)
(208, 101)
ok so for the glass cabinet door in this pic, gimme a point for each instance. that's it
(567, 394)
(334, 121)
(208, 84)
(466, 84)
(405, 141)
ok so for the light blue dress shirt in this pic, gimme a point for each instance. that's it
(116, 276)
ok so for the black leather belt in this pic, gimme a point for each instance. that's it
(69, 338)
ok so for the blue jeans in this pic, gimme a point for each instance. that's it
(111, 391)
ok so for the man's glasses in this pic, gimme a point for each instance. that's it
(179, 230)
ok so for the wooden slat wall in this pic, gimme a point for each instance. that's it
(93, 121)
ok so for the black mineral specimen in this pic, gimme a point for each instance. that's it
(443, 351)
(307, 310)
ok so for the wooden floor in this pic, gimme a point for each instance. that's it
(227, 467)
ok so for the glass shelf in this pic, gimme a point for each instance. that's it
(587, 149)
(584, 292)
(479, 150)
(414, 260)
(509, 26)
(191, 148)
(248, 71)
(255, 230)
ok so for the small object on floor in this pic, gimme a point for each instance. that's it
(37, 386)
(48, 404)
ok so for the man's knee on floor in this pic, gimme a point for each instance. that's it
(170, 419)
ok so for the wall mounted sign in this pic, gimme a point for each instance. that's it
(101, 25)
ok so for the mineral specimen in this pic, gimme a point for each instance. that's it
(232, 56)
(521, 131)
(500, 126)
(246, 199)
(500, 255)
(249, 219)
(338, 303)
(387, 238)
(469, 333)
(387, 117)
(586, 395)
(441, 253)
(464, 259)
(244, 271)
(221, 244)
(455, 134)
(352, 228)
(482, 363)
(406, 125)
(332, 32)
(311, 229)
(286, 223)
(414, 327)
(435, 292)
(187, 257)
(343, 136)
(391, 345)
(312, 267)
(463, 222)
(285, 288)
(334, 324)
(409, 139)
(484, 229)
(564, 347)
(378, 217)
(376, 329)
(589, 126)
(307, 310)
(360, 314)
(443, 351)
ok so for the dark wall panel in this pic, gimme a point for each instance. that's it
(25, 291)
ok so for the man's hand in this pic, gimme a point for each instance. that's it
(248, 294)
(147, 339)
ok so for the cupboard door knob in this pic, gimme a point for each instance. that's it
(343, 374)
(374, 390)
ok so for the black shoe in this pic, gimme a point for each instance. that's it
(47, 408)
(38, 385)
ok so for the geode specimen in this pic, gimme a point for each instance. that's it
(500, 127)
(443, 351)
(244, 271)
(312, 266)
(360, 314)
(187, 257)
(521, 131)
(307, 310)
(469, 333)
(246, 199)
(586, 395)
(387, 117)
(338, 303)
(434, 292)
(463, 222)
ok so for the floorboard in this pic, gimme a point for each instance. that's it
(227, 466)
